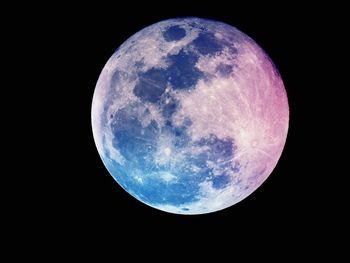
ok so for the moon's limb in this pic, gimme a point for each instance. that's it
(190, 116)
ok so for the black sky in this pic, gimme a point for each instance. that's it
(73, 195)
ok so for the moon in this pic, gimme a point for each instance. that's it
(190, 116)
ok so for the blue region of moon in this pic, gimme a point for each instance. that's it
(137, 144)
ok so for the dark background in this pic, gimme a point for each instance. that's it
(72, 195)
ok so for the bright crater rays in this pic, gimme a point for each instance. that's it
(190, 116)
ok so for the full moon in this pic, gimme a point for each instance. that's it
(190, 116)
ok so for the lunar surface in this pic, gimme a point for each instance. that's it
(190, 116)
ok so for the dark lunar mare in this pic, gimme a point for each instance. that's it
(206, 43)
(174, 33)
(151, 85)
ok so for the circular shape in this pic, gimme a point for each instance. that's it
(190, 116)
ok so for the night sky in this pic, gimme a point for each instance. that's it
(67, 191)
